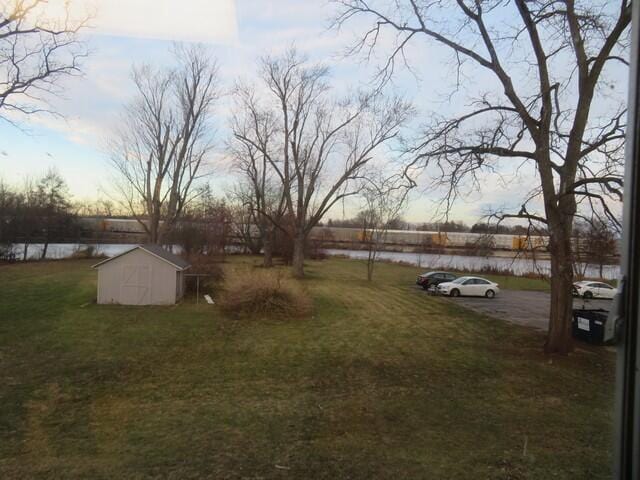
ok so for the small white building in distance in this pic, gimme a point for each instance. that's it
(144, 275)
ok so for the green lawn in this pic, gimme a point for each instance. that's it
(383, 382)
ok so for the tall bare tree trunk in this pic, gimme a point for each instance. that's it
(298, 255)
(600, 268)
(267, 247)
(370, 263)
(45, 245)
(154, 228)
(559, 339)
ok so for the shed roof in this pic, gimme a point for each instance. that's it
(157, 251)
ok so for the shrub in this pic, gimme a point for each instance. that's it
(87, 251)
(316, 245)
(264, 293)
(204, 228)
(317, 254)
(6, 253)
(207, 265)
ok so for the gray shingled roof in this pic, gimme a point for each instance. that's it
(178, 262)
(167, 255)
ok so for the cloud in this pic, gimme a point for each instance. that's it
(186, 20)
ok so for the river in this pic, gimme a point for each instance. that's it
(425, 261)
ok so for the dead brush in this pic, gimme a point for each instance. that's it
(265, 294)
(211, 269)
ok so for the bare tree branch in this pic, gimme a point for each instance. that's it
(36, 53)
(165, 139)
(316, 146)
(544, 117)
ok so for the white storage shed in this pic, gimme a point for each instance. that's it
(144, 275)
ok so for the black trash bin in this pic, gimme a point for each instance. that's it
(590, 325)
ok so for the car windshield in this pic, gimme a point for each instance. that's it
(460, 280)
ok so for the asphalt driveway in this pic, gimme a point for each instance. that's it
(522, 307)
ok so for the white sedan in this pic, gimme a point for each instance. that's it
(590, 289)
(469, 286)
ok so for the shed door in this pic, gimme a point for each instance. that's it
(136, 285)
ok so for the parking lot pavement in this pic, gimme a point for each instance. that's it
(522, 307)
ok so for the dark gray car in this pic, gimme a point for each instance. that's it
(433, 279)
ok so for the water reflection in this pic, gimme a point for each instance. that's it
(426, 261)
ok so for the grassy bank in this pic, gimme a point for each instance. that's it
(506, 280)
(383, 381)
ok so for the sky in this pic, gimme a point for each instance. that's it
(238, 32)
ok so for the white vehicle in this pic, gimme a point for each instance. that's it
(469, 286)
(590, 289)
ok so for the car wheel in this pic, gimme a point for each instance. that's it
(588, 295)
(454, 293)
(425, 286)
(490, 294)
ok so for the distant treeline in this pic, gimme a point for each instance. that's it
(39, 211)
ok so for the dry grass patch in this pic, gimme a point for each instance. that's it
(264, 293)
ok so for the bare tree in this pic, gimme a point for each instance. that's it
(203, 228)
(36, 52)
(243, 217)
(595, 243)
(602, 244)
(53, 208)
(384, 200)
(322, 145)
(38, 211)
(260, 191)
(100, 207)
(162, 146)
(27, 215)
(549, 107)
(9, 202)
